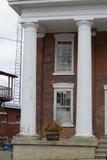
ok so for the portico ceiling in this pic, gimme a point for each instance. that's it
(58, 26)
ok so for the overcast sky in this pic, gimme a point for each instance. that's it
(8, 27)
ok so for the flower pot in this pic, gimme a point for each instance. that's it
(52, 136)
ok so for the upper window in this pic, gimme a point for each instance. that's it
(63, 103)
(64, 48)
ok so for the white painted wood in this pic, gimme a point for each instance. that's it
(37, 1)
(63, 87)
(41, 3)
(65, 12)
(105, 108)
(84, 80)
(63, 73)
(64, 37)
(48, 10)
(28, 104)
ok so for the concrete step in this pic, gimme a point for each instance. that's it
(103, 139)
(101, 154)
(101, 149)
(97, 159)
(102, 145)
(101, 158)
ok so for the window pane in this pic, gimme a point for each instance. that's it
(63, 115)
(64, 55)
(63, 106)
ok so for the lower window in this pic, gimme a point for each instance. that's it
(63, 103)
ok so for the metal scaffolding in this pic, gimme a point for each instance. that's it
(18, 64)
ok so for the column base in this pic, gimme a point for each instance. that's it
(32, 148)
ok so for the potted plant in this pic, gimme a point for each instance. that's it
(52, 130)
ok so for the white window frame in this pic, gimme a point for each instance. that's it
(63, 87)
(64, 37)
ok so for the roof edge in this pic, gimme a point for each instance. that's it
(18, 4)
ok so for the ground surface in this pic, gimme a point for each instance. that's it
(5, 155)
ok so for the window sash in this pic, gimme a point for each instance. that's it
(63, 113)
(64, 67)
(64, 56)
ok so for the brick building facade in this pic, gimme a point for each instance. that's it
(64, 78)
(10, 126)
(45, 80)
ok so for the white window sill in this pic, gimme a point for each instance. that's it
(63, 73)
(17, 122)
(67, 125)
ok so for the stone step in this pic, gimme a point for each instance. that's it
(101, 158)
(97, 159)
(103, 137)
(101, 154)
(103, 141)
(102, 145)
(101, 149)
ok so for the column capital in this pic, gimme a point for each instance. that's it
(30, 25)
(84, 23)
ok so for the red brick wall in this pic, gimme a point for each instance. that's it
(100, 81)
(11, 128)
(46, 53)
(45, 79)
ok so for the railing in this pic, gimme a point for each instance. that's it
(5, 93)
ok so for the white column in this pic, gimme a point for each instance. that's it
(84, 80)
(105, 108)
(28, 105)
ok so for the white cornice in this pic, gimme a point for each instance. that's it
(18, 5)
(56, 1)
(68, 12)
